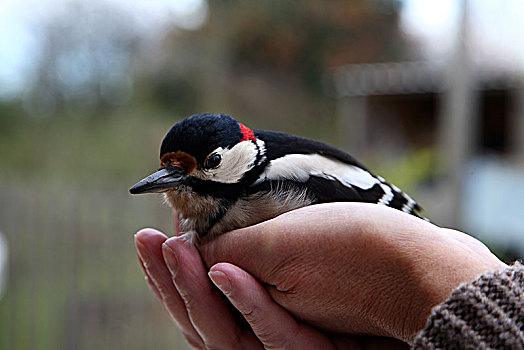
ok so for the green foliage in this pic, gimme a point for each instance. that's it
(176, 94)
(268, 62)
(416, 167)
(75, 148)
(308, 40)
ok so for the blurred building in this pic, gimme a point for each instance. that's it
(480, 139)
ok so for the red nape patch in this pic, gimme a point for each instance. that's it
(247, 133)
(180, 159)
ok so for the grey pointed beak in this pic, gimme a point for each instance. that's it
(168, 177)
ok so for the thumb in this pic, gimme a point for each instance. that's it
(251, 248)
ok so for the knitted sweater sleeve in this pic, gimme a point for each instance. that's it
(487, 313)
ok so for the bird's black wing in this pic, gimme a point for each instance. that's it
(328, 173)
(328, 190)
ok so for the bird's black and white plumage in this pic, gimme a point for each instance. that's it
(220, 175)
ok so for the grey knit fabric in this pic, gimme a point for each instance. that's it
(487, 313)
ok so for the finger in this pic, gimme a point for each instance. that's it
(240, 246)
(149, 246)
(207, 310)
(148, 279)
(272, 324)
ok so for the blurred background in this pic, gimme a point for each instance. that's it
(428, 94)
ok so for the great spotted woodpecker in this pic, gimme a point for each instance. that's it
(220, 175)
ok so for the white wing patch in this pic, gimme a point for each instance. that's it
(235, 163)
(408, 206)
(299, 167)
(261, 151)
(388, 195)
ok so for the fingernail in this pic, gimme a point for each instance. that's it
(221, 280)
(171, 259)
(143, 253)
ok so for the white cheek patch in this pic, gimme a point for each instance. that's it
(235, 163)
(299, 167)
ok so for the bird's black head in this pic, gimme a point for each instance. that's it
(200, 134)
(204, 147)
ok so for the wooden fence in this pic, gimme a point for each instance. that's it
(73, 276)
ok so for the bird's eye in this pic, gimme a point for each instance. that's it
(213, 161)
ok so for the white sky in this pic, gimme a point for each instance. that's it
(497, 28)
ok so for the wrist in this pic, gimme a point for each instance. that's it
(448, 263)
(485, 312)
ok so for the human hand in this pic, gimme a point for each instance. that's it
(354, 274)
(207, 320)
(178, 277)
